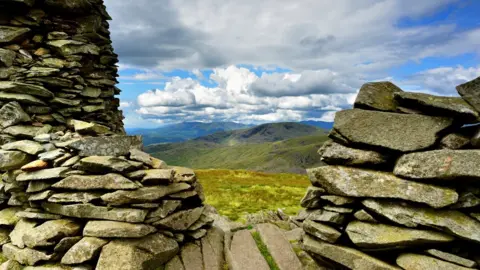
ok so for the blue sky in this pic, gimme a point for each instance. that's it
(251, 62)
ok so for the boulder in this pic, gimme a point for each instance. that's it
(180, 221)
(12, 114)
(445, 165)
(24, 256)
(105, 146)
(336, 154)
(347, 257)
(84, 250)
(109, 181)
(102, 164)
(12, 160)
(144, 194)
(449, 221)
(353, 182)
(451, 258)
(391, 131)
(48, 233)
(42, 175)
(321, 231)
(470, 92)
(377, 96)
(115, 229)
(410, 261)
(9, 34)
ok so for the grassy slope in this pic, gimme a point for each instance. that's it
(235, 193)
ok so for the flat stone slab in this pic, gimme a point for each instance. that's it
(23, 88)
(109, 181)
(115, 229)
(393, 131)
(321, 231)
(180, 221)
(144, 194)
(348, 257)
(337, 154)
(279, 247)
(21, 228)
(245, 253)
(29, 147)
(102, 164)
(470, 92)
(451, 258)
(106, 146)
(368, 235)
(12, 160)
(84, 250)
(440, 165)
(213, 249)
(97, 212)
(41, 175)
(312, 197)
(8, 216)
(410, 261)
(191, 254)
(11, 34)
(11, 114)
(353, 182)
(377, 96)
(49, 232)
(450, 221)
(74, 197)
(24, 256)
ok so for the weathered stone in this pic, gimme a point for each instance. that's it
(393, 131)
(7, 57)
(69, 47)
(451, 258)
(377, 96)
(213, 249)
(9, 34)
(321, 231)
(180, 221)
(52, 155)
(455, 141)
(4, 238)
(38, 215)
(89, 128)
(109, 181)
(136, 154)
(167, 207)
(6, 139)
(466, 200)
(65, 244)
(83, 251)
(470, 92)
(338, 200)
(450, 221)
(21, 98)
(182, 174)
(23, 88)
(36, 186)
(143, 195)
(11, 265)
(12, 114)
(115, 229)
(345, 181)
(101, 164)
(143, 254)
(348, 257)
(71, 161)
(105, 146)
(74, 197)
(368, 235)
(191, 254)
(12, 160)
(410, 261)
(40, 196)
(244, 253)
(440, 165)
(25, 256)
(158, 176)
(41, 175)
(175, 264)
(312, 197)
(338, 209)
(336, 154)
(21, 228)
(8, 216)
(35, 166)
(50, 232)
(29, 147)
(97, 212)
(29, 132)
(362, 215)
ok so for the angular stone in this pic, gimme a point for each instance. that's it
(158, 176)
(109, 181)
(213, 249)
(338, 200)
(40, 196)
(71, 161)
(368, 235)
(11, 265)
(346, 181)
(9, 34)
(470, 92)
(74, 197)
(25, 256)
(102, 164)
(451, 258)
(38, 215)
(175, 264)
(45, 174)
(35, 166)
(50, 232)
(89, 211)
(26, 131)
(105, 146)
(8, 216)
(377, 96)
(348, 257)
(244, 253)
(393, 131)
(440, 165)
(338, 209)
(191, 254)
(336, 154)
(454, 141)
(450, 221)
(312, 197)
(41, 72)
(143, 195)
(145, 253)
(362, 215)
(21, 98)
(438, 105)
(115, 229)
(70, 47)
(12, 160)
(12, 114)
(466, 200)
(325, 216)
(52, 155)
(167, 207)
(21, 228)
(89, 128)
(321, 231)
(29, 147)
(180, 221)
(4, 238)
(23, 88)
(7, 57)
(141, 156)
(83, 251)
(36, 186)
(410, 261)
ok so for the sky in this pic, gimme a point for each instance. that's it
(253, 61)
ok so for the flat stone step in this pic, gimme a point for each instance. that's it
(245, 254)
(279, 247)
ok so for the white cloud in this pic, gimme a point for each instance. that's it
(124, 104)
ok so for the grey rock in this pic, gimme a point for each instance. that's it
(346, 256)
(74, 197)
(440, 165)
(70, 47)
(36, 186)
(10, 34)
(29, 147)
(21, 228)
(143, 195)
(325, 216)
(57, 266)
(180, 221)
(40, 196)
(38, 215)
(105, 146)
(21, 98)
(89, 211)
(321, 231)
(89, 128)
(12, 114)
(338, 209)
(295, 234)
(24, 256)
(12, 160)
(377, 96)
(158, 177)
(192, 256)
(466, 200)
(363, 215)
(23, 88)
(338, 200)
(393, 131)
(29, 132)
(7, 57)
(167, 207)
(141, 156)
(48, 233)
(410, 261)
(279, 247)
(109, 181)
(102, 164)
(470, 92)
(312, 197)
(213, 249)
(451, 258)
(42, 175)
(115, 229)
(4, 236)
(336, 154)
(346, 181)
(455, 141)
(450, 221)
(71, 161)
(175, 264)
(8, 216)
(245, 253)
(52, 155)
(83, 251)
(11, 265)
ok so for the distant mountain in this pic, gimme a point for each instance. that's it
(276, 147)
(183, 131)
(320, 124)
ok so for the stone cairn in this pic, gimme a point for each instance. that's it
(401, 189)
(76, 193)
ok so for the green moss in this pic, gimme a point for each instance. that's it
(3, 258)
(264, 250)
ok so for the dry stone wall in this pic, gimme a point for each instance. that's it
(401, 189)
(75, 192)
